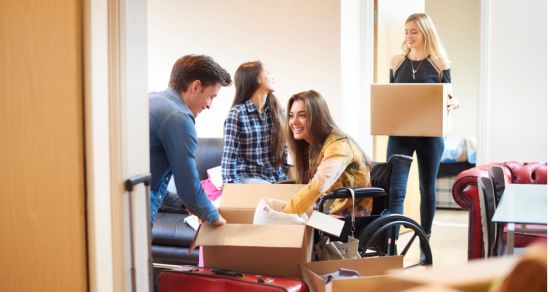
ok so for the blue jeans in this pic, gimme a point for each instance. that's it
(429, 151)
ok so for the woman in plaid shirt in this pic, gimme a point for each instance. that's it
(254, 144)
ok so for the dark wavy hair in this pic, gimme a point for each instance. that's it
(246, 83)
(197, 67)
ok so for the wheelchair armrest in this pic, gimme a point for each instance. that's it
(360, 193)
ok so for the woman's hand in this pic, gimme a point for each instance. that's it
(453, 103)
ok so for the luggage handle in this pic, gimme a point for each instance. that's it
(137, 179)
(232, 273)
(129, 184)
(220, 271)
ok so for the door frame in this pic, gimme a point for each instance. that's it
(116, 111)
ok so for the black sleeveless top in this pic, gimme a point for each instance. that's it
(425, 72)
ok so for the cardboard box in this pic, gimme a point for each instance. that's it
(372, 272)
(238, 201)
(409, 109)
(476, 275)
(276, 250)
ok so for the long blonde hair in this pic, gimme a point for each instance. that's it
(432, 44)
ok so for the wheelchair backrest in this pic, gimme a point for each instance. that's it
(385, 174)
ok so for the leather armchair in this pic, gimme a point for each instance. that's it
(171, 236)
(465, 193)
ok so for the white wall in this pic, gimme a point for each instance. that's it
(515, 117)
(458, 24)
(299, 41)
(391, 15)
(357, 70)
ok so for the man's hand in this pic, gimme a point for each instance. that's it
(220, 221)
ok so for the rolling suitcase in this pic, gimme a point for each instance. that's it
(129, 185)
(206, 280)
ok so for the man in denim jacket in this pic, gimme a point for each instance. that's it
(194, 82)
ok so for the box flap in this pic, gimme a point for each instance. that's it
(313, 281)
(286, 236)
(239, 216)
(372, 284)
(365, 266)
(326, 223)
(247, 196)
(476, 273)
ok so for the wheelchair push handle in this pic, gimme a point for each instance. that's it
(360, 193)
(353, 194)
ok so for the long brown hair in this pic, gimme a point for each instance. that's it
(246, 83)
(320, 124)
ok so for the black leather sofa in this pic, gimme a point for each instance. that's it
(171, 236)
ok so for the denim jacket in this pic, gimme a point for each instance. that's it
(172, 151)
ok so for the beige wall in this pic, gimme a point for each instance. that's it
(458, 24)
(300, 45)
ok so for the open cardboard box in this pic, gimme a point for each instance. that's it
(409, 109)
(372, 272)
(473, 276)
(238, 201)
(276, 250)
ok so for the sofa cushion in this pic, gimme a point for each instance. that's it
(171, 229)
(209, 152)
(174, 255)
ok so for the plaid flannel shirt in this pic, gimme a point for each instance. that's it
(247, 151)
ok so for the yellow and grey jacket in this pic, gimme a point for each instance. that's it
(341, 163)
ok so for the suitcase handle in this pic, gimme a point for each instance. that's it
(137, 179)
(226, 272)
(129, 184)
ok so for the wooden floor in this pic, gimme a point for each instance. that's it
(448, 240)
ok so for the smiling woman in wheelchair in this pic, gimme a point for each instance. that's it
(325, 158)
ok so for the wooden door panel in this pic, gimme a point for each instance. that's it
(42, 214)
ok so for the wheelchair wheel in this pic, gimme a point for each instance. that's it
(379, 239)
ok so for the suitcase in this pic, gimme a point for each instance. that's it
(207, 280)
(129, 185)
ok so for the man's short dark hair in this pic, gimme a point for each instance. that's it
(197, 67)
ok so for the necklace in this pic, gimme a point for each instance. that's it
(414, 71)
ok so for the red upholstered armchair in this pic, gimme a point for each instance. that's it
(465, 193)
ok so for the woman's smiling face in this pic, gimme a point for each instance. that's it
(299, 121)
(414, 37)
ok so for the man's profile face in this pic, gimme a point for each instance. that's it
(199, 97)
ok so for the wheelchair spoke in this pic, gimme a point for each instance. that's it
(414, 265)
(379, 251)
(407, 247)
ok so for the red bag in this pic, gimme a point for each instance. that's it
(207, 280)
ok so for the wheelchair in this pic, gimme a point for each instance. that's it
(379, 231)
